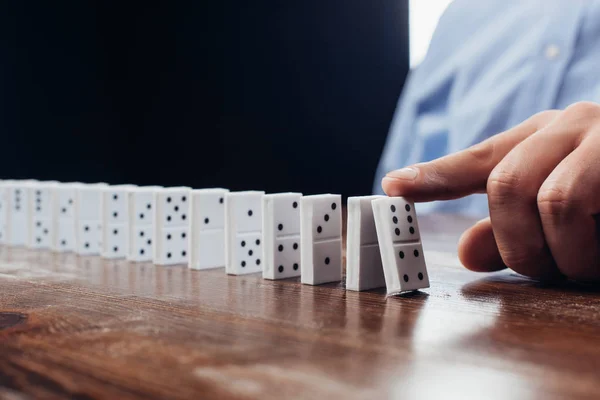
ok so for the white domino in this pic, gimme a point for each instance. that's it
(171, 225)
(88, 219)
(364, 270)
(207, 236)
(40, 232)
(115, 221)
(141, 223)
(4, 211)
(400, 245)
(321, 238)
(18, 215)
(63, 217)
(281, 235)
(243, 226)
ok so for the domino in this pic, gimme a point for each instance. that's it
(171, 225)
(40, 232)
(115, 221)
(207, 236)
(141, 223)
(63, 217)
(3, 211)
(281, 235)
(400, 245)
(321, 239)
(243, 225)
(88, 219)
(364, 270)
(17, 214)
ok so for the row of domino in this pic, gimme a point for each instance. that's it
(204, 228)
(283, 235)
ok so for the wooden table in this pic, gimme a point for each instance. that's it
(82, 327)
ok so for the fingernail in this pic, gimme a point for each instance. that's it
(407, 174)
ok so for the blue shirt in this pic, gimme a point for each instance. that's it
(491, 65)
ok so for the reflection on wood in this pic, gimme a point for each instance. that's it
(84, 327)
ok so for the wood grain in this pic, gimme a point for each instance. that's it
(86, 328)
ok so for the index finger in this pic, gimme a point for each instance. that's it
(462, 173)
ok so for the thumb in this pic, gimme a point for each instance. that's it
(477, 249)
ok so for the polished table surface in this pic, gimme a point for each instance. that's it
(83, 327)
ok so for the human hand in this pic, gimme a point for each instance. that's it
(542, 179)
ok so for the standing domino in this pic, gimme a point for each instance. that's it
(40, 196)
(281, 235)
(243, 225)
(88, 219)
(115, 221)
(3, 211)
(17, 216)
(141, 223)
(207, 236)
(63, 217)
(171, 225)
(364, 270)
(321, 238)
(400, 246)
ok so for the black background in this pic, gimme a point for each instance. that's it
(272, 95)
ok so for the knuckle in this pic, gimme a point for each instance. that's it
(583, 111)
(542, 118)
(435, 174)
(555, 201)
(481, 153)
(503, 183)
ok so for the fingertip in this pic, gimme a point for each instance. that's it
(396, 183)
(477, 249)
(390, 186)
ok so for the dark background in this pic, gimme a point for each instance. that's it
(272, 95)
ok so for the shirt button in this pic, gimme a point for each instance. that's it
(552, 51)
